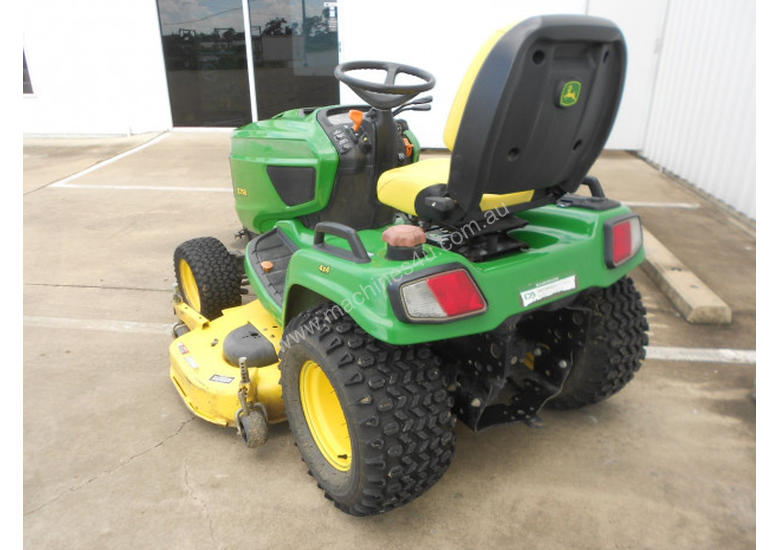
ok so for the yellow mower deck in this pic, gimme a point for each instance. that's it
(206, 382)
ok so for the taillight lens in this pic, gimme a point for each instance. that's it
(443, 296)
(623, 239)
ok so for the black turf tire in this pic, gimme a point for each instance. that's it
(396, 406)
(614, 346)
(216, 274)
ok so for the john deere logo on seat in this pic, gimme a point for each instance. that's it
(570, 93)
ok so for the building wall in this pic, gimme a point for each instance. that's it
(642, 26)
(96, 68)
(702, 124)
(689, 101)
(443, 37)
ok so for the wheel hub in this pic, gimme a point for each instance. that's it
(325, 417)
(189, 286)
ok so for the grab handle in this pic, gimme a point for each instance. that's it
(357, 252)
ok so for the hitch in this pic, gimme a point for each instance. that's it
(510, 373)
(542, 381)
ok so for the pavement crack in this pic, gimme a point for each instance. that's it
(110, 471)
(200, 503)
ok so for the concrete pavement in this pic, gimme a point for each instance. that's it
(112, 458)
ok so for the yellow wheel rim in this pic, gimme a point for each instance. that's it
(325, 417)
(188, 285)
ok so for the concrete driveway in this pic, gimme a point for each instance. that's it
(113, 459)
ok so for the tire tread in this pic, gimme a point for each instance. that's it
(406, 436)
(614, 349)
(216, 274)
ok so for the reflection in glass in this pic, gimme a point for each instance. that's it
(26, 83)
(205, 62)
(295, 48)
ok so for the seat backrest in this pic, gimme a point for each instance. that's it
(535, 108)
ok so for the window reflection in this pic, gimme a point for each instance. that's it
(295, 49)
(26, 82)
(294, 44)
(205, 61)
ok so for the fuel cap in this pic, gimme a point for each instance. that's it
(404, 242)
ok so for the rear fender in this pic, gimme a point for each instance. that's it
(566, 255)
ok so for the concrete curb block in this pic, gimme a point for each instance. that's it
(692, 298)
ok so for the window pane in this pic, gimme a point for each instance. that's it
(205, 62)
(295, 49)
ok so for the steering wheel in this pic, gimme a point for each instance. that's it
(388, 94)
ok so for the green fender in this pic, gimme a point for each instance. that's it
(565, 243)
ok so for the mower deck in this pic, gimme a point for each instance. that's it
(209, 384)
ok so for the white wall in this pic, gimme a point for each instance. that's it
(96, 68)
(689, 102)
(702, 126)
(443, 37)
(642, 26)
(689, 97)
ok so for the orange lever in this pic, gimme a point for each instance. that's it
(357, 118)
(409, 147)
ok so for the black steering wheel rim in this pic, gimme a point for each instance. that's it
(388, 94)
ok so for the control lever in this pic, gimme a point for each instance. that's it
(410, 107)
(418, 101)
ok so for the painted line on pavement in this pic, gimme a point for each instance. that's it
(106, 325)
(702, 355)
(60, 184)
(147, 188)
(661, 353)
(65, 181)
(640, 204)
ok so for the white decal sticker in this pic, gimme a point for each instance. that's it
(221, 379)
(547, 289)
(191, 361)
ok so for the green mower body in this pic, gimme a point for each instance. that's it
(396, 293)
(566, 254)
(559, 264)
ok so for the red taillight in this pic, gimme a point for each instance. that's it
(441, 297)
(623, 239)
(621, 242)
(456, 293)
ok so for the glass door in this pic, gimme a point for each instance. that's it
(294, 48)
(205, 62)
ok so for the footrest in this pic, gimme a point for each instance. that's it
(269, 255)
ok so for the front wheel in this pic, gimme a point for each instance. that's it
(612, 348)
(207, 276)
(372, 421)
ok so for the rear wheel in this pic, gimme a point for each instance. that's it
(207, 275)
(613, 345)
(372, 421)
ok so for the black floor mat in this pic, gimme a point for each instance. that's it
(276, 248)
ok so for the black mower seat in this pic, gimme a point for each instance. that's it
(529, 120)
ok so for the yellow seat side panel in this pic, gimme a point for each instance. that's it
(399, 187)
(459, 104)
(489, 202)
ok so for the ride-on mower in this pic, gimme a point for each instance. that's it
(395, 294)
